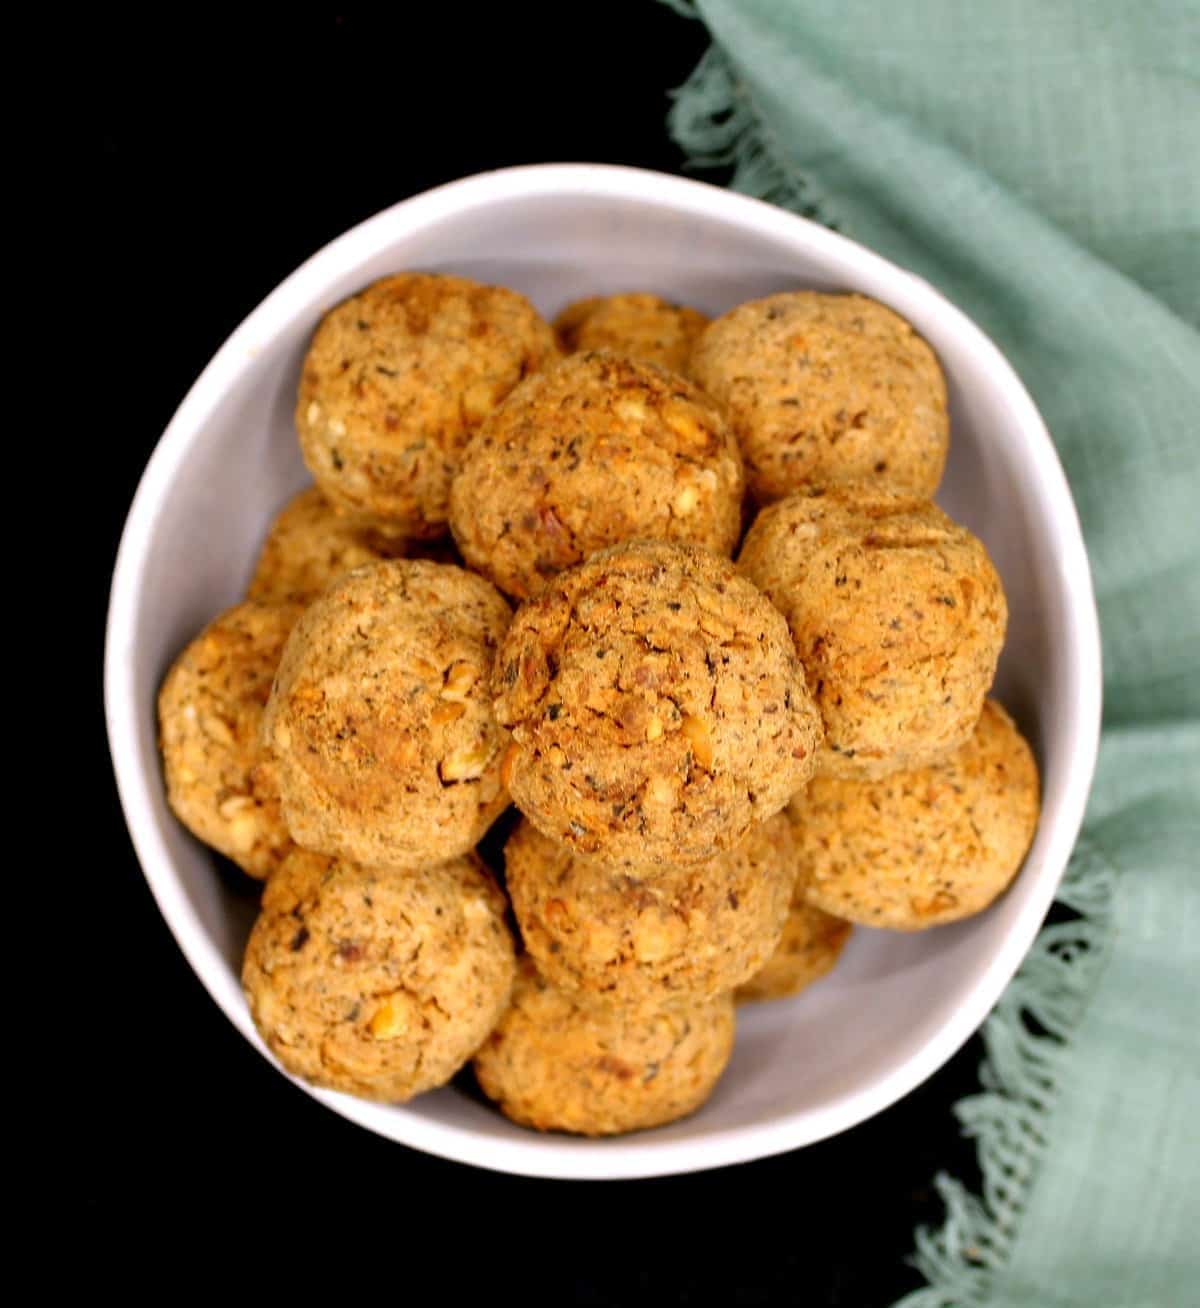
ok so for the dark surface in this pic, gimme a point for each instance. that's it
(209, 169)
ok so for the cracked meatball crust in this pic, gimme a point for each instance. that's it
(635, 323)
(597, 450)
(924, 846)
(898, 616)
(397, 380)
(309, 544)
(220, 782)
(381, 723)
(809, 946)
(821, 388)
(568, 1062)
(656, 704)
(377, 982)
(644, 934)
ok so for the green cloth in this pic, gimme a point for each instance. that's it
(1039, 162)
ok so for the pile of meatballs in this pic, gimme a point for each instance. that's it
(512, 583)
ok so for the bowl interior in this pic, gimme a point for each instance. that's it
(897, 1005)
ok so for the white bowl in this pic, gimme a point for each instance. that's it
(897, 1006)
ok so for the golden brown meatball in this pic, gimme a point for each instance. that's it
(568, 1062)
(656, 704)
(596, 450)
(395, 383)
(309, 544)
(377, 982)
(924, 846)
(644, 934)
(822, 388)
(898, 617)
(642, 325)
(220, 784)
(811, 943)
(381, 723)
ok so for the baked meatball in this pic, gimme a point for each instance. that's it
(811, 943)
(387, 749)
(309, 544)
(220, 784)
(569, 1062)
(642, 325)
(822, 388)
(378, 982)
(898, 616)
(396, 381)
(645, 934)
(596, 450)
(656, 704)
(924, 846)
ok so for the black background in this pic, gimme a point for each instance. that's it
(210, 157)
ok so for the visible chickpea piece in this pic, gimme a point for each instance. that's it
(686, 501)
(700, 738)
(478, 401)
(243, 832)
(391, 1019)
(716, 627)
(660, 792)
(475, 909)
(460, 677)
(235, 804)
(464, 764)
(654, 729)
(216, 729)
(684, 425)
(445, 713)
(656, 937)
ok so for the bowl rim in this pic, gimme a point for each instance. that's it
(637, 1155)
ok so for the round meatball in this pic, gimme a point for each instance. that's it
(656, 704)
(381, 723)
(822, 388)
(923, 846)
(644, 934)
(569, 1062)
(309, 544)
(395, 383)
(220, 783)
(597, 450)
(898, 616)
(811, 943)
(644, 326)
(377, 982)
